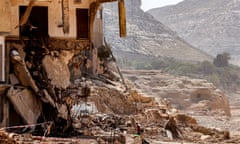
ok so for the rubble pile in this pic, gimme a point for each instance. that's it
(186, 94)
(55, 89)
(6, 139)
(150, 121)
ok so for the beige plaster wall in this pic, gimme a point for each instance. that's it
(5, 16)
(54, 16)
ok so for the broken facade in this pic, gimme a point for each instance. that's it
(45, 46)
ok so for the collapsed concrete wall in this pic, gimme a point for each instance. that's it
(48, 76)
(26, 104)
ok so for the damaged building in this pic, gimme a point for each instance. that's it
(45, 46)
(58, 78)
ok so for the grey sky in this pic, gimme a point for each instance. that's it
(148, 4)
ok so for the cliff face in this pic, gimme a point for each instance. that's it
(145, 35)
(212, 26)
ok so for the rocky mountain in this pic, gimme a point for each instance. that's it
(212, 26)
(145, 35)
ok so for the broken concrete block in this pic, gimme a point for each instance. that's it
(21, 71)
(26, 104)
(57, 71)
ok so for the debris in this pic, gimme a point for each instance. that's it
(108, 47)
(96, 107)
(62, 111)
(6, 139)
(47, 98)
(13, 79)
(57, 71)
(26, 104)
(26, 15)
(175, 131)
(21, 71)
(204, 137)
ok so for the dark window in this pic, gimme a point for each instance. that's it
(37, 24)
(82, 24)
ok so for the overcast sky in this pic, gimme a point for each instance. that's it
(148, 4)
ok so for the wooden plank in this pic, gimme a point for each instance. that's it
(122, 18)
(5, 18)
(27, 13)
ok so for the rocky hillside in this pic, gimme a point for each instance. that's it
(212, 26)
(146, 35)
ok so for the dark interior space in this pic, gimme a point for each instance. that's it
(82, 24)
(37, 24)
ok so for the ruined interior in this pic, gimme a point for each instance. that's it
(58, 79)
